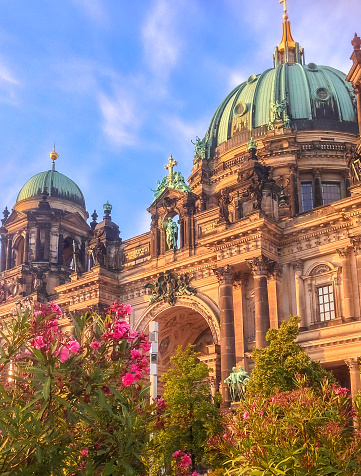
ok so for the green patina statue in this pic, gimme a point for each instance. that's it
(171, 230)
(199, 149)
(237, 382)
(174, 180)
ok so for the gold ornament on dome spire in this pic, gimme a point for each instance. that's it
(288, 51)
(54, 155)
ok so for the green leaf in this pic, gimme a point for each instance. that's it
(38, 454)
(46, 389)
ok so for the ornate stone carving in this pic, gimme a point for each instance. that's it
(169, 286)
(320, 269)
(356, 243)
(98, 252)
(297, 265)
(223, 203)
(225, 275)
(261, 265)
(353, 364)
(343, 252)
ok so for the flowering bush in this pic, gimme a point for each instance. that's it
(73, 401)
(305, 432)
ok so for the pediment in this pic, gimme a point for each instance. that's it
(172, 200)
(75, 220)
(15, 216)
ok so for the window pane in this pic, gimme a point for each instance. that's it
(326, 306)
(331, 192)
(307, 196)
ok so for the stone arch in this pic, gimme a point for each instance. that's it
(18, 250)
(192, 320)
(206, 310)
(320, 267)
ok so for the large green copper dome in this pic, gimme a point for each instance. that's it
(314, 98)
(290, 95)
(56, 184)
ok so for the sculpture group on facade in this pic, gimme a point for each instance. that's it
(199, 149)
(169, 286)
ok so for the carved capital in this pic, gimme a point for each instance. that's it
(261, 265)
(356, 243)
(293, 168)
(241, 280)
(297, 265)
(344, 252)
(317, 172)
(225, 275)
(274, 270)
(353, 364)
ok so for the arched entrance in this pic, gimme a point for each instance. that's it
(190, 321)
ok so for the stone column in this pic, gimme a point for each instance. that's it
(354, 369)
(294, 205)
(3, 253)
(225, 276)
(260, 268)
(9, 254)
(348, 308)
(274, 275)
(38, 253)
(300, 293)
(60, 248)
(356, 242)
(317, 189)
(47, 243)
(26, 248)
(239, 289)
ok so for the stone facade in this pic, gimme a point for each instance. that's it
(251, 251)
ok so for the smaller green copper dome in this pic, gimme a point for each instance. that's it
(56, 184)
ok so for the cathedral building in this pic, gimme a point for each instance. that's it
(268, 226)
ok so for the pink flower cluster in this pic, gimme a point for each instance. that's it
(183, 459)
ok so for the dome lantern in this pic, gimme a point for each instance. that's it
(288, 51)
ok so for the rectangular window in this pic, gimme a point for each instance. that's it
(307, 196)
(326, 303)
(331, 192)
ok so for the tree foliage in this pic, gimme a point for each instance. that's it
(306, 431)
(277, 365)
(72, 401)
(191, 414)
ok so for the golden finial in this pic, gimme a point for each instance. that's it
(54, 155)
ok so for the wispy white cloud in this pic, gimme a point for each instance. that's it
(161, 40)
(120, 119)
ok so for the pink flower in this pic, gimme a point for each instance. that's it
(186, 461)
(135, 354)
(27, 352)
(195, 473)
(145, 346)
(245, 415)
(176, 454)
(73, 346)
(341, 391)
(261, 412)
(128, 379)
(64, 354)
(133, 335)
(36, 313)
(84, 452)
(38, 342)
(128, 309)
(55, 309)
(95, 345)
(135, 368)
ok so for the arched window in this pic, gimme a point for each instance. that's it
(18, 251)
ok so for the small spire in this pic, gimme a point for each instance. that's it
(54, 155)
(94, 223)
(6, 214)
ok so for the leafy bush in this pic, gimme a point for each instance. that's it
(72, 401)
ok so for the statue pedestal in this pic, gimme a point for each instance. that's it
(235, 406)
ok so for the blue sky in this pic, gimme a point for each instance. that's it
(120, 85)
